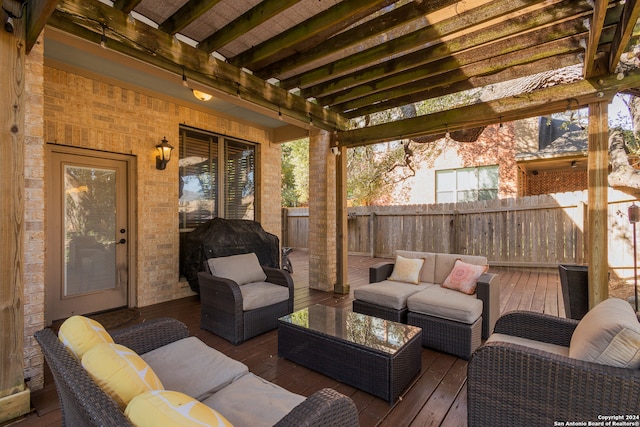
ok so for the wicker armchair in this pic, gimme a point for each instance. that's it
(222, 310)
(510, 384)
(83, 403)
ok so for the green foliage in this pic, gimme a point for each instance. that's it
(295, 173)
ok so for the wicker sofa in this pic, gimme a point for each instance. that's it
(451, 321)
(83, 403)
(525, 374)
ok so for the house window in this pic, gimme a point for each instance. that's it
(217, 178)
(467, 184)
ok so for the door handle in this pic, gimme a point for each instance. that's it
(121, 242)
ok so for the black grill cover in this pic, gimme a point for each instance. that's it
(223, 237)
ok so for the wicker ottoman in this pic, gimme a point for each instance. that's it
(451, 321)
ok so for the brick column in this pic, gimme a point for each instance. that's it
(322, 212)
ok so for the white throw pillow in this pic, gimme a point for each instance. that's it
(608, 334)
(242, 269)
(407, 270)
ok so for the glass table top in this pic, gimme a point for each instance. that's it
(371, 332)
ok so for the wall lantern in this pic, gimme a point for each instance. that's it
(164, 154)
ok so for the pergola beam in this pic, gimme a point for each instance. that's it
(38, 12)
(255, 16)
(473, 36)
(535, 103)
(188, 13)
(624, 31)
(314, 30)
(89, 18)
(592, 63)
(439, 59)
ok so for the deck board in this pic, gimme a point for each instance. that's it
(436, 397)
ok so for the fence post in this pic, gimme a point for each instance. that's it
(581, 218)
(372, 234)
(454, 224)
(285, 227)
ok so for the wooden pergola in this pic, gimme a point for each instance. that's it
(317, 66)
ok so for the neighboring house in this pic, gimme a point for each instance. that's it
(558, 164)
(515, 159)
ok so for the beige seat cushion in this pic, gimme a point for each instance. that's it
(608, 334)
(388, 293)
(242, 269)
(193, 368)
(428, 267)
(261, 294)
(549, 348)
(447, 304)
(253, 401)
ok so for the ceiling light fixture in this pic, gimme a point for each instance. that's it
(202, 96)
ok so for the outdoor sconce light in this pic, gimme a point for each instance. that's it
(574, 164)
(164, 154)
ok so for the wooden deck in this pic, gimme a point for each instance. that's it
(437, 397)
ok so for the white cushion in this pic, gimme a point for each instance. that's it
(407, 270)
(261, 294)
(428, 267)
(193, 368)
(243, 268)
(388, 293)
(254, 402)
(608, 334)
(549, 348)
(447, 304)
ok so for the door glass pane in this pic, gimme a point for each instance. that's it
(89, 229)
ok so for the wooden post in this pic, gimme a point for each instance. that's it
(342, 239)
(14, 396)
(598, 163)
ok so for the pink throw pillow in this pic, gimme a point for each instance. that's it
(463, 278)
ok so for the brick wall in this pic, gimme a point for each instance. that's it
(64, 107)
(34, 218)
(322, 213)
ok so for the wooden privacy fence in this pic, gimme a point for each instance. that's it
(538, 231)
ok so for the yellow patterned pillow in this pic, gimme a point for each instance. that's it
(120, 372)
(171, 409)
(79, 334)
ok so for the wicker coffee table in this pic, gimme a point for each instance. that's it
(375, 355)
